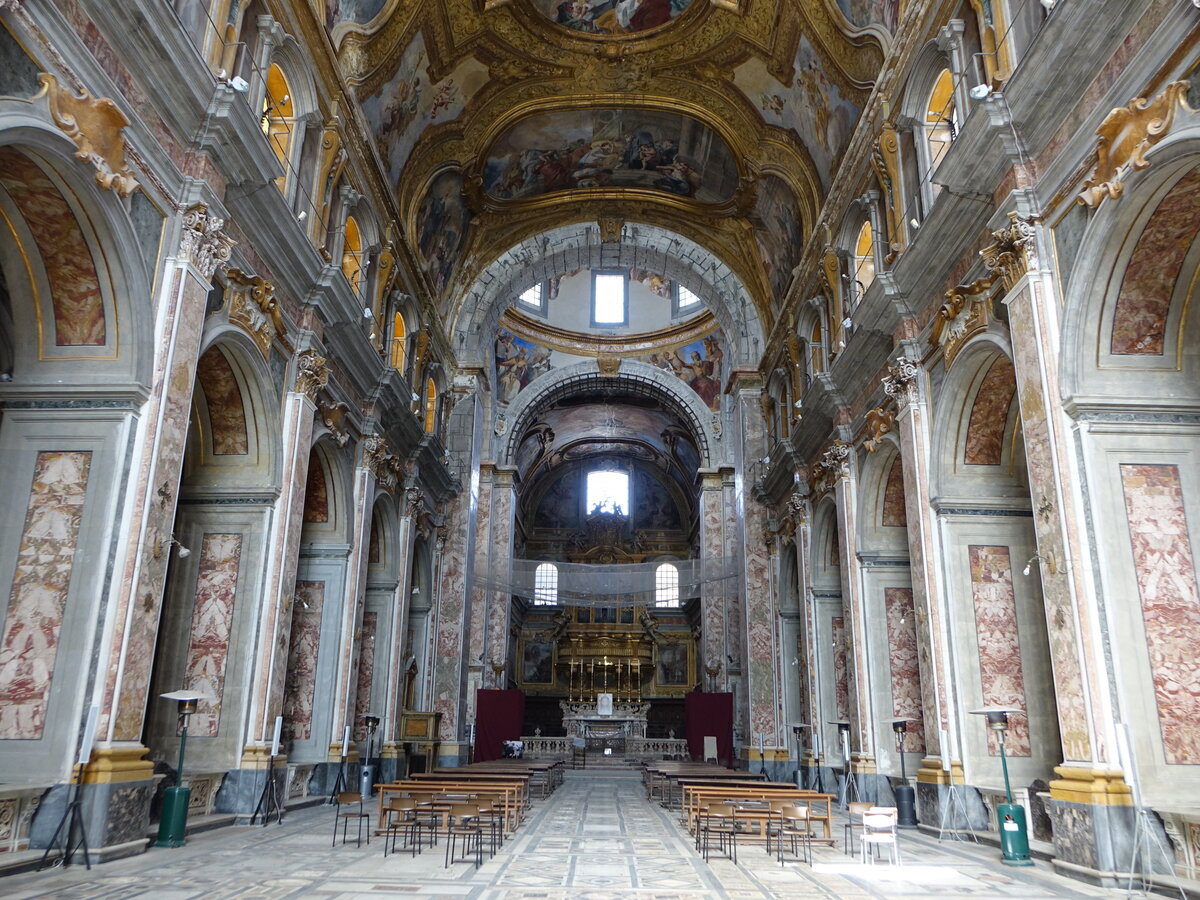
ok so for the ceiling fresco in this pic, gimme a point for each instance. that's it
(610, 148)
(723, 122)
(611, 16)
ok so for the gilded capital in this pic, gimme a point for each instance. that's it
(1013, 251)
(203, 243)
(312, 374)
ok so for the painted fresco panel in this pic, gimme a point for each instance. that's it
(41, 581)
(359, 12)
(1165, 567)
(442, 225)
(810, 104)
(366, 673)
(653, 507)
(518, 363)
(79, 316)
(904, 665)
(1000, 672)
(863, 13)
(1140, 317)
(989, 415)
(603, 17)
(894, 512)
(561, 503)
(212, 623)
(399, 111)
(610, 148)
(841, 671)
(301, 687)
(777, 233)
(226, 412)
(699, 364)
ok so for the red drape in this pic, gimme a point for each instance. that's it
(499, 716)
(709, 714)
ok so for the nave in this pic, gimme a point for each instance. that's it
(596, 837)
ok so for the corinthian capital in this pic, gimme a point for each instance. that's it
(797, 509)
(901, 381)
(203, 243)
(1014, 251)
(312, 374)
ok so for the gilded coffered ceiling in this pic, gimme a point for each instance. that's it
(720, 121)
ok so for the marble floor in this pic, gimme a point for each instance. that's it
(595, 838)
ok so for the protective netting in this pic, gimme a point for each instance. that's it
(640, 584)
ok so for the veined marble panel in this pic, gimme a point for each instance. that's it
(989, 415)
(1166, 578)
(841, 679)
(316, 492)
(1000, 672)
(905, 669)
(1140, 316)
(894, 513)
(41, 581)
(212, 622)
(366, 673)
(79, 317)
(226, 412)
(305, 644)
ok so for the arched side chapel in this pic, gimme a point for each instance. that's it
(846, 370)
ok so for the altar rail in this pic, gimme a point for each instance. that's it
(650, 748)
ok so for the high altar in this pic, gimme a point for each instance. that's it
(586, 720)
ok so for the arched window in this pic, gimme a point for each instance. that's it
(545, 585)
(941, 119)
(666, 585)
(399, 336)
(430, 406)
(277, 116)
(864, 260)
(607, 492)
(816, 350)
(352, 255)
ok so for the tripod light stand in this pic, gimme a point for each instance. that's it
(1014, 837)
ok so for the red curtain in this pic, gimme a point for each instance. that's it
(499, 716)
(709, 714)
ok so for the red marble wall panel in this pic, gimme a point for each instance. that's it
(1166, 576)
(841, 671)
(1140, 316)
(989, 415)
(79, 319)
(894, 513)
(316, 492)
(212, 623)
(226, 412)
(301, 687)
(904, 665)
(1000, 672)
(45, 560)
(366, 673)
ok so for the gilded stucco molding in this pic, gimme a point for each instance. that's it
(1013, 251)
(966, 312)
(95, 125)
(879, 423)
(334, 416)
(254, 309)
(312, 374)
(885, 160)
(1125, 136)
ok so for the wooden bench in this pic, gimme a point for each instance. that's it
(820, 806)
(508, 795)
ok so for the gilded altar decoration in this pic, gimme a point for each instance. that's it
(312, 374)
(254, 309)
(203, 243)
(95, 126)
(1125, 136)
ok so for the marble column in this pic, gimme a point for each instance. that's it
(239, 793)
(759, 639)
(496, 652)
(451, 643)
(713, 600)
(119, 781)
(1089, 805)
(907, 386)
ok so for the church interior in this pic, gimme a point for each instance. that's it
(604, 375)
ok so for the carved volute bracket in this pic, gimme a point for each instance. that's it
(797, 509)
(254, 309)
(833, 465)
(1014, 251)
(312, 374)
(966, 312)
(879, 423)
(334, 417)
(1125, 135)
(610, 230)
(414, 502)
(608, 365)
(203, 243)
(379, 460)
(831, 268)
(94, 125)
(901, 381)
(885, 160)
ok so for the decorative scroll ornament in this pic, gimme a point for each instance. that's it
(414, 502)
(1125, 135)
(831, 267)
(501, 425)
(610, 230)
(901, 381)
(312, 374)
(879, 423)
(885, 160)
(377, 458)
(608, 365)
(1014, 251)
(965, 313)
(255, 310)
(797, 509)
(716, 426)
(203, 243)
(95, 126)
(334, 417)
